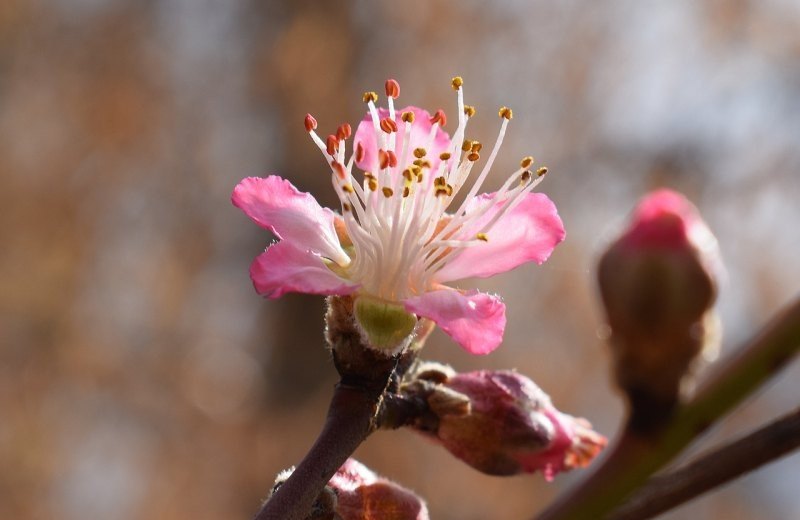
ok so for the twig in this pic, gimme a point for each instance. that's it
(637, 456)
(664, 492)
(349, 422)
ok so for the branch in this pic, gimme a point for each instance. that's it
(639, 455)
(349, 422)
(664, 492)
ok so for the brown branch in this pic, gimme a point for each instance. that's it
(349, 422)
(664, 492)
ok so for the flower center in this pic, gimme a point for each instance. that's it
(396, 217)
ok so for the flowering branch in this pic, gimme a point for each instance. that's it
(639, 454)
(664, 492)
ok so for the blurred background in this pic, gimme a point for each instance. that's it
(140, 374)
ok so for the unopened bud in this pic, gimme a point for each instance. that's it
(658, 284)
(511, 427)
(362, 494)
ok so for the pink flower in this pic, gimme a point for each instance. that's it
(400, 238)
(512, 427)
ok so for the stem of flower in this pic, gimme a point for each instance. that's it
(638, 454)
(664, 492)
(349, 422)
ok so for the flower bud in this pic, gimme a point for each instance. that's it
(658, 283)
(510, 426)
(360, 493)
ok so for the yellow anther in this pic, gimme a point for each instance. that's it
(505, 113)
(444, 156)
(476, 146)
(419, 153)
(541, 171)
(473, 156)
(469, 110)
(347, 188)
(440, 181)
(482, 237)
(525, 177)
(526, 161)
(407, 117)
(387, 192)
(457, 82)
(407, 175)
(346, 206)
(416, 170)
(406, 192)
(372, 184)
(466, 145)
(370, 96)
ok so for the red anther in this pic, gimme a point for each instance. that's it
(388, 125)
(359, 153)
(383, 159)
(310, 122)
(439, 117)
(344, 131)
(339, 169)
(332, 144)
(392, 158)
(392, 88)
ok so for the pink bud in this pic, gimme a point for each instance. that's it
(360, 494)
(658, 282)
(511, 427)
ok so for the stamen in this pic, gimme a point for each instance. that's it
(482, 236)
(466, 145)
(505, 113)
(475, 146)
(348, 188)
(332, 145)
(541, 172)
(469, 110)
(392, 88)
(525, 177)
(407, 117)
(387, 192)
(419, 153)
(444, 156)
(339, 169)
(439, 117)
(359, 152)
(526, 162)
(344, 131)
(473, 156)
(369, 96)
(310, 123)
(388, 125)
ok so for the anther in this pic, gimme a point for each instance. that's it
(310, 122)
(344, 131)
(541, 171)
(473, 156)
(482, 237)
(444, 156)
(526, 161)
(372, 184)
(466, 145)
(406, 192)
(388, 125)
(407, 174)
(346, 206)
(525, 177)
(419, 153)
(359, 152)
(347, 188)
(339, 168)
(387, 192)
(475, 147)
(457, 82)
(469, 110)
(332, 145)
(505, 113)
(392, 88)
(407, 117)
(383, 159)
(392, 158)
(439, 117)
(369, 96)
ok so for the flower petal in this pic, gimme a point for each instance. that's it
(475, 320)
(527, 233)
(284, 267)
(275, 204)
(420, 130)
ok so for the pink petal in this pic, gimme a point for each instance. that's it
(528, 233)
(275, 204)
(283, 268)
(420, 128)
(475, 320)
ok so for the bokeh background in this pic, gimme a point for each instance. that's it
(142, 377)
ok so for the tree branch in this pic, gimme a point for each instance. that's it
(664, 492)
